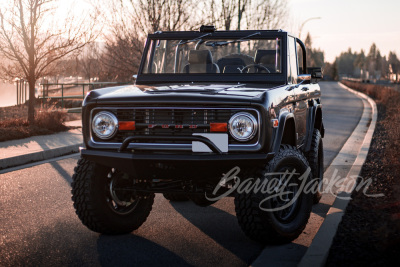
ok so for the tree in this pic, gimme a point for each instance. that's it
(129, 23)
(345, 63)
(315, 57)
(266, 14)
(89, 61)
(33, 40)
(253, 14)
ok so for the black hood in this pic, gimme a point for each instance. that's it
(190, 93)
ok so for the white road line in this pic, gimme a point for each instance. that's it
(318, 251)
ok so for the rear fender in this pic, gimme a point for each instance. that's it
(314, 121)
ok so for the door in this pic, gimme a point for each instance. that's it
(300, 94)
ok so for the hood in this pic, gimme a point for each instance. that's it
(179, 93)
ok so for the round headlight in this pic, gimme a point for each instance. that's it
(105, 125)
(243, 126)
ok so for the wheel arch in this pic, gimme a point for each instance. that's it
(314, 121)
(286, 131)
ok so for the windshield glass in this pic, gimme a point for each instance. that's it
(219, 56)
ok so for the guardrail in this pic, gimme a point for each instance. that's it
(52, 90)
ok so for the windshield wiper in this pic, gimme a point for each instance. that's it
(221, 43)
(195, 39)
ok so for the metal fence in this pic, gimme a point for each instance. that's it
(64, 91)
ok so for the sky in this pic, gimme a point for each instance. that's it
(349, 23)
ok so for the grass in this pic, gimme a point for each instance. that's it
(388, 101)
(14, 124)
(369, 233)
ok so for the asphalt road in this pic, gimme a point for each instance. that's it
(38, 225)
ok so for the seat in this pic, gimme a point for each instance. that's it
(201, 61)
(266, 58)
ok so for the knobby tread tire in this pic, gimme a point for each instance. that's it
(259, 225)
(92, 211)
(312, 157)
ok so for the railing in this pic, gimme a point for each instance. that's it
(22, 91)
(70, 90)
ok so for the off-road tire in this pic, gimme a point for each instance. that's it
(89, 194)
(315, 158)
(175, 197)
(264, 226)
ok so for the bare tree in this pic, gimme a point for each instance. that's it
(162, 15)
(33, 45)
(223, 13)
(89, 60)
(246, 14)
(129, 23)
(266, 14)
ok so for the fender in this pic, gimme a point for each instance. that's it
(311, 117)
(283, 117)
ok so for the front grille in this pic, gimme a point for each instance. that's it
(171, 122)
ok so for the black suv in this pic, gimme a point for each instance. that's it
(211, 114)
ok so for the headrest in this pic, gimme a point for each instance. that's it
(200, 57)
(265, 57)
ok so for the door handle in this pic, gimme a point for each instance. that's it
(304, 89)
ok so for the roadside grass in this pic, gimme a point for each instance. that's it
(388, 101)
(49, 120)
(369, 233)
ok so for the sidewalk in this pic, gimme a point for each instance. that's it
(36, 148)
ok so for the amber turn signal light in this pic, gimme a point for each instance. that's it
(218, 127)
(126, 126)
(275, 123)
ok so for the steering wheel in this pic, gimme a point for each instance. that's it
(257, 68)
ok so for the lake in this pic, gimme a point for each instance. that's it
(8, 94)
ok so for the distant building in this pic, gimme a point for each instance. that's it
(394, 73)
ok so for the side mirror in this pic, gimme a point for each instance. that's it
(304, 79)
(316, 74)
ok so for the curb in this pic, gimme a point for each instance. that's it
(318, 251)
(38, 156)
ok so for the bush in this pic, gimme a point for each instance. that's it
(46, 122)
(387, 100)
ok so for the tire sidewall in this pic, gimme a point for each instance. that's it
(111, 219)
(305, 199)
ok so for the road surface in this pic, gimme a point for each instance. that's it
(38, 225)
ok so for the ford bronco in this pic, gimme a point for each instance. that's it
(211, 114)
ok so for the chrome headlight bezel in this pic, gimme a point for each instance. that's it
(111, 118)
(250, 118)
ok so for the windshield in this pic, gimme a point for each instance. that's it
(219, 56)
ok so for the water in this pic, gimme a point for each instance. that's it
(8, 94)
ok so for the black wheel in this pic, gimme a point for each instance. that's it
(175, 197)
(101, 202)
(315, 158)
(268, 216)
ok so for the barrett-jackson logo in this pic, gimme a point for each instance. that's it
(176, 126)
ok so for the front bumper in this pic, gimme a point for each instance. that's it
(132, 163)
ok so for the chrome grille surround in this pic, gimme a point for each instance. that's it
(181, 121)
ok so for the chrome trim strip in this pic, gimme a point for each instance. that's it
(161, 146)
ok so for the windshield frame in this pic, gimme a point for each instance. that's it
(273, 78)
